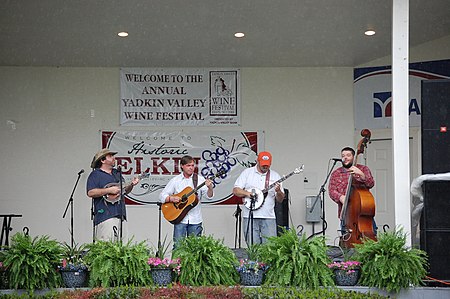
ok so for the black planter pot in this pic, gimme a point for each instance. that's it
(346, 278)
(161, 277)
(75, 278)
(252, 278)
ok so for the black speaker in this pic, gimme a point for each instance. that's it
(436, 243)
(435, 227)
(282, 213)
(435, 120)
(436, 205)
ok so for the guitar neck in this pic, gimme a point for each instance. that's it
(140, 176)
(203, 184)
(283, 178)
(195, 189)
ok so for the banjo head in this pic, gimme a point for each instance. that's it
(257, 202)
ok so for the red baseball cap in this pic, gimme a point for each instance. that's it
(265, 159)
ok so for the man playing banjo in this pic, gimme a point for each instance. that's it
(102, 185)
(258, 212)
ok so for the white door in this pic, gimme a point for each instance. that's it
(378, 157)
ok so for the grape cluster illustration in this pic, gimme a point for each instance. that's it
(217, 164)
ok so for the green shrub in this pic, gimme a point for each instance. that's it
(254, 252)
(206, 261)
(118, 264)
(298, 293)
(388, 264)
(296, 261)
(32, 263)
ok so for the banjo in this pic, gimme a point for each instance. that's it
(113, 198)
(260, 195)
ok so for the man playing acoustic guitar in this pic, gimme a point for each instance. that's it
(191, 224)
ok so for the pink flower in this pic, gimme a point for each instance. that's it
(349, 266)
(165, 263)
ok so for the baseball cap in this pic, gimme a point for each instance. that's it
(264, 158)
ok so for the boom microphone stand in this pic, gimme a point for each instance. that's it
(70, 203)
(322, 191)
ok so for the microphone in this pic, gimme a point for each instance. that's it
(337, 159)
(253, 195)
(119, 168)
(81, 171)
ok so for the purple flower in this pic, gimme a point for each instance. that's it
(246, 265)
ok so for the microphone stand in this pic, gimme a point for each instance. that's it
(322, 191)
(159, 232)
(237, 214)
(250, 216)
(122, 202)
(70, 203)
(92, 218)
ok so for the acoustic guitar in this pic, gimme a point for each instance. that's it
(113, 198)
(175, 212)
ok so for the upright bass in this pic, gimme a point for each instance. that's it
(358, 209)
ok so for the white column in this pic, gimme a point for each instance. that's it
(400, 115)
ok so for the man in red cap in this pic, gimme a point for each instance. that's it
(259, 214)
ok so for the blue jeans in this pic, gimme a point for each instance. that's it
(262, 229)
(182, 230)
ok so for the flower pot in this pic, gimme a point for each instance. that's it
(4, 280)
(161, 277)
(346, 277)
(74, 278)
(252, 277)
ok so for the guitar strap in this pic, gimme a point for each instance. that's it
(267, 179)
(195, 179)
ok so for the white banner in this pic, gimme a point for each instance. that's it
(179, 97)
(373, 92)
(159, 153)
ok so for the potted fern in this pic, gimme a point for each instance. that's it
(296, 261)
(32, 263)
(388, 264)
(116, 264)
(206, 261)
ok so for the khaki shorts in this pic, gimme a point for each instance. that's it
(109, 230)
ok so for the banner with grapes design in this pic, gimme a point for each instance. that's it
(159, 153)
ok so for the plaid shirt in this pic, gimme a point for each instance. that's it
(339, 180)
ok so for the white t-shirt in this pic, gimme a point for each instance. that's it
(250, 178)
